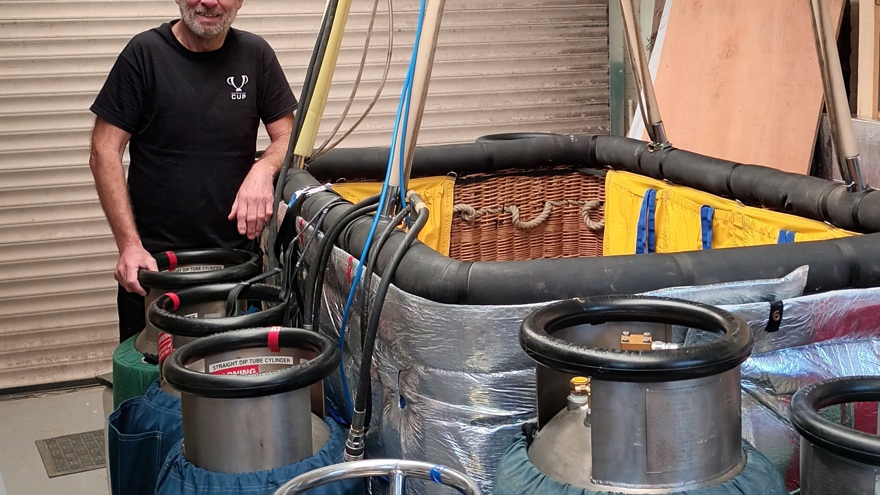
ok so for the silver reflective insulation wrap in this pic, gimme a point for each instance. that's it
(746, 292)
(820, 336)
(452, 385)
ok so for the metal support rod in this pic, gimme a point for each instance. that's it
(642, 75)
(836, 103)
(398, 482)
(379, 467)
(421, 79)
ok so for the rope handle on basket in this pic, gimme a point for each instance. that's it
(469, 214)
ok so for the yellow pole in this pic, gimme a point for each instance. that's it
(306, 143)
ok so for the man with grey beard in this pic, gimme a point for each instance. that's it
(188, 98)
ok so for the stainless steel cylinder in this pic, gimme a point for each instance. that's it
(195, 312)
(247, 435)
(835, 458)
(826, 473)
(189, 268)
(254, 434)
(667, 435)
(148, 340)
(245, 397)
(659, 418)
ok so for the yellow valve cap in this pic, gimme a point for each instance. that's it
(580, 385)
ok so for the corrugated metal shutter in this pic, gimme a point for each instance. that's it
(501, 66)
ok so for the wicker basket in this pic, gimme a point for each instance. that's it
(550, 205)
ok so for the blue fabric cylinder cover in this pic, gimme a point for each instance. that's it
(180, 477)
(141, 433)
(516, 475)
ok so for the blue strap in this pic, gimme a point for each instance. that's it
(645, 236)
(707, 213)
(652, 241)
(785, 237)
(436, 471)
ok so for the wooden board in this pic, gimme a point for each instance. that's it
(739, 79)
(868, 101)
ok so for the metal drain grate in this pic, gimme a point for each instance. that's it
(70, 454)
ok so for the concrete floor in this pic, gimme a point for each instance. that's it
(27, 419)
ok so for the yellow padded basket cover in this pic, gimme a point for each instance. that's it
(437, 193)
(678, 224)
(677, 218)
(624, 193)
(737, 225)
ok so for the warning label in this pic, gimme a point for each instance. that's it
(197, 268)
(166, 345)
(247, 366)
(238, 370)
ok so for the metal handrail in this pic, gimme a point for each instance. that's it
(396, 469)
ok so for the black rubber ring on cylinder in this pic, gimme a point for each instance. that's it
(715, 357)
(245, 265)
(164, 317)
(236, 386)
(845, 442)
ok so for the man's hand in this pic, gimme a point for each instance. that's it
(253, 203)
(132, 260)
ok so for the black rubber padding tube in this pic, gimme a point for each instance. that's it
(805, 196)
(245, 265)
(481, 157)
(715, 357)
(514, 136)
(235, 386)
(162, 314)
(852, 262)
(846, 442)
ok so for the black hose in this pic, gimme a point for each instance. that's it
(326, 248)
(363, 389)
(366, 285)
(375, 249)
(289, 285)
(232, 298)
(302, 107)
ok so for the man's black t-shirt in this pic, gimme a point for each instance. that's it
(193, 117)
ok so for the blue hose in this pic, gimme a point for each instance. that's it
(402, 108)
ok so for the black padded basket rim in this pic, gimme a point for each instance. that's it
(712, 358)
(845, 442)
(516, 136)
(162, 315)
(246, 265)
(296, 377)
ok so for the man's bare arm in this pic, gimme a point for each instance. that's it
(105, 160)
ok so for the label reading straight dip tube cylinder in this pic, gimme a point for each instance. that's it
(247, 366)
(197, 268)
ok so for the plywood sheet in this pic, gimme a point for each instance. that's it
(739, 79)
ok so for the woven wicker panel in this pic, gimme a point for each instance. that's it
(491, 234)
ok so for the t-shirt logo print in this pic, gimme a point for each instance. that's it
(238, 94)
